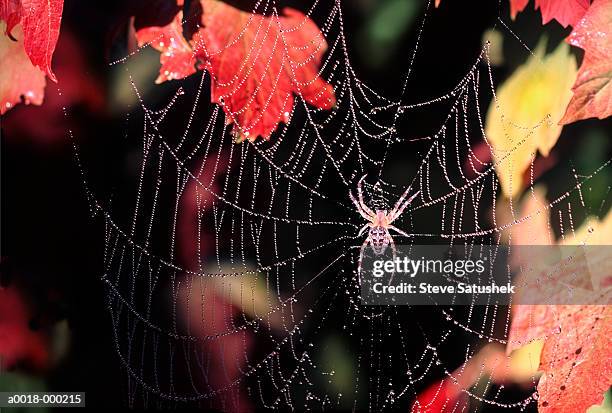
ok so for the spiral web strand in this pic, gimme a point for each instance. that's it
(228, 264)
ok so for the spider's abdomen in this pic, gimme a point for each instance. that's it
(379, 239)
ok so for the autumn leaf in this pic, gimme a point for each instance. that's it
(10, 12)
(576, 356)
(29, 30)
(256, 62)
(605, 407)
(40, 21)
(566, 12)
(593, 88)
(523, 119)
(577, 362)
(18, 77)
(517, 6)
(177, 58)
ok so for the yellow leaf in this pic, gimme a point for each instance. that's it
(210, 302)
(523, 119)
(524, 362)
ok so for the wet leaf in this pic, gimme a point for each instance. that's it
(40, 21)
(29, 30)
(593, 88)
(577, 361)
(177, 57)
(576, 357)
(256, 62)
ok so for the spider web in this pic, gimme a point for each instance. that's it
(230, 269)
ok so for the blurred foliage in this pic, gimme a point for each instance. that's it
(496, 46)
(141, 69)
(594, 151)
(382, 33)
(337, 361)
(18, 382)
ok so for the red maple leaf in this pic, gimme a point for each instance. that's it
(40, 21)
(593, 87)
(256, 62)
(517, 6)
(566, 12)
(27, 48)
(576, 358)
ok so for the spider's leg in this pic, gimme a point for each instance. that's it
(401, 205)
(360, 260)
(366, 226)
(361, 201)
(363, 213)
(399, 231)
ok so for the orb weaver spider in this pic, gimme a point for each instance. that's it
(379, 222)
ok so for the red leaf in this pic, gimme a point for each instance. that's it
(35, 38)
(41, 24)
(576, 358)
(10, 11)
(578, 361)
(593, 88)
(177, 58)
(566, 12)
(443, 396)
(517, 6)
(18, 78)
(256, 63)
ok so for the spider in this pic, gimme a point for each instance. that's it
(379, 222)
